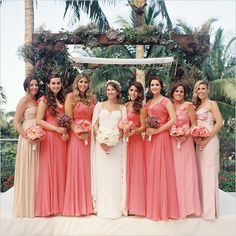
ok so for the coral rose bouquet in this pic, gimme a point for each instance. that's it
(35, 133)
(199, 133)
(126, 126)
(83, 126)
(110, 137)
(151, 122)
(179, 132)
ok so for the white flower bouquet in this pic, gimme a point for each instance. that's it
(110, 137)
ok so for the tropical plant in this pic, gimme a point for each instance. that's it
(92, 8)
(2, 95)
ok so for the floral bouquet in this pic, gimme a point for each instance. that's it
(110, 137)
(178, 132)
(126, 126)
(83, 126)
(200, 132)
(151, 122)
(35, 133)
(64, 121)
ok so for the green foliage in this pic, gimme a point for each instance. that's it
(8, 154)
(227, 181)
(48, 54)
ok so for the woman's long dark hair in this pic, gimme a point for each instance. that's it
(51, 98)
(139, 100)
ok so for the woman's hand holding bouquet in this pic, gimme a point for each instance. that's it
(107, 138)
(64, 121)
(35, 134)
(151, 123)
(200, 133)
(126, 126)
(83, 128)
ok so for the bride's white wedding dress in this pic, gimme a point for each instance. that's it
(108, 170)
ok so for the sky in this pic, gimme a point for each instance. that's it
(49, 14)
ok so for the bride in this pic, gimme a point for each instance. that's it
(109, 155)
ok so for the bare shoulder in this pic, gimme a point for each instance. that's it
(213, 104)
(23, 101)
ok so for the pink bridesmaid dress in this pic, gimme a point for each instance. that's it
(52, 170)
(78, 198)
(162, 203)
(136, 173)
(208, 167)
(186, 172)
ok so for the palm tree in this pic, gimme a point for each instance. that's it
(92, 8)
(29, 30)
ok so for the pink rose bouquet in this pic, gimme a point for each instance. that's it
(151, 122)
(126, 126)
(35, 133)
(83, 126)
(200, 132)
(178, 132)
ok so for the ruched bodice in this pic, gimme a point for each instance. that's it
(30, 113)
(205, 118)
(135, 118)
(82, 112)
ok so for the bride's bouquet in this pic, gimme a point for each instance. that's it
(126, 126)
(110, 137)
(35, 133)
(178, 132)
(83, 126)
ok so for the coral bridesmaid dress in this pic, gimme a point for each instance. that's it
(208, 166)
(186, 168)
(52, 170)
(162, 203)
(78, 198)
(136, 172)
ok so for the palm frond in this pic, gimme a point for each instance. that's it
(224, 88)
(92, 8)
(227, 111)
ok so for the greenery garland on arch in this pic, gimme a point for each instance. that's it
(49, 52)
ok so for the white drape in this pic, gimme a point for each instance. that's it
(119, 61)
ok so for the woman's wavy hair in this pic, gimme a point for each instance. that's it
(139, 100)
(174, 87)
(26, 84)
(88, 96)
(117, 88)
(149, 84)
(195, 99)
(51, 99)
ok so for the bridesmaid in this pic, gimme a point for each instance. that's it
(26, 166)
(52, 161)
(136, 173)
(79, 105)
(185, 158)
(161, 184)
(208, 115)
